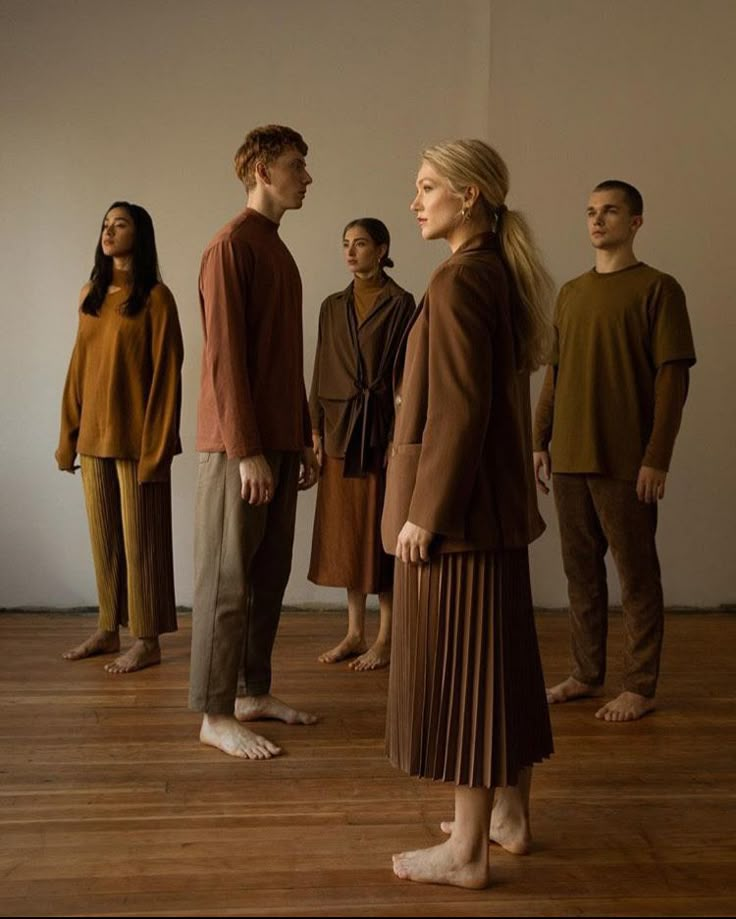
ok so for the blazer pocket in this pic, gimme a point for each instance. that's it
(400, 478)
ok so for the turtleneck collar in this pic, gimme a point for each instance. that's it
(262, 220)
(369, 285)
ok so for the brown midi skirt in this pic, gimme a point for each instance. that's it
(466, 699)
(346, 540)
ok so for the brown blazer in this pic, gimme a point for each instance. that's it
(351, 398)
(461, 460)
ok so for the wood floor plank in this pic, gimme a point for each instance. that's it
(110, 806)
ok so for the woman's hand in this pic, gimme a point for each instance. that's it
(308, 469)
(317, 447)
(542, 470)
(413, 543)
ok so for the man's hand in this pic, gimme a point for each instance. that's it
(317, 447)
(542, 470)
(256, 480)
(308, 469)
(413, 543)
(650, 484)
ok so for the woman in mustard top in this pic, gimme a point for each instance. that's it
(120, 414)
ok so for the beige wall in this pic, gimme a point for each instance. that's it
(148, 101)
(643, 91)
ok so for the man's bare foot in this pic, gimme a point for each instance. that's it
(348, 647)
(145, 652)
(629, 706)
(100, 642)
(447, 863)
(570, 689)
(225, 733)
(376, 657)
(259, 708)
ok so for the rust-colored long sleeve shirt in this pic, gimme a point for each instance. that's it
(252, 396)
(122, 396)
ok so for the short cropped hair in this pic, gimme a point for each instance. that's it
(632, 195)
(264, 144)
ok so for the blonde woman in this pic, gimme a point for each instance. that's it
(466, 694)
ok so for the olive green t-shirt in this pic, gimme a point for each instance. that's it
(612, 332)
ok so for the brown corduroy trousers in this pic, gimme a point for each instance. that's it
(242, 562)
(596, 512)
(130, 533)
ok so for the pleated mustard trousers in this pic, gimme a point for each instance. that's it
(130, 532)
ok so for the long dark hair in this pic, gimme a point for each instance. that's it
(378, 232)
(144, 273)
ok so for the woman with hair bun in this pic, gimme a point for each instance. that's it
(120, 413)
(351, 407)
(467, 701)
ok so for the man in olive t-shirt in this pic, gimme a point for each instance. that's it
(610, 407)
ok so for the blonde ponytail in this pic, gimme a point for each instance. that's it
(472, 162)
(534, 287)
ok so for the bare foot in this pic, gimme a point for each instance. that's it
(572, 689)
(447, 863)
(259, 708)
(348, 647)
(145, 652)
(100, 642)
(374, 658)
(225, 733)
(629, 706)
(513, 836)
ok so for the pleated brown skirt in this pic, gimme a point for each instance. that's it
(346, 540)
(466, 699)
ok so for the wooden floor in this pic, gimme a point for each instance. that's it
(110, 806)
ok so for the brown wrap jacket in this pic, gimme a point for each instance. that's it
(351, 399)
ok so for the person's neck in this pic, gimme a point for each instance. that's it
(265, 206)
(610, 260)
(368, 276)
(466, 230)
(120, 274)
